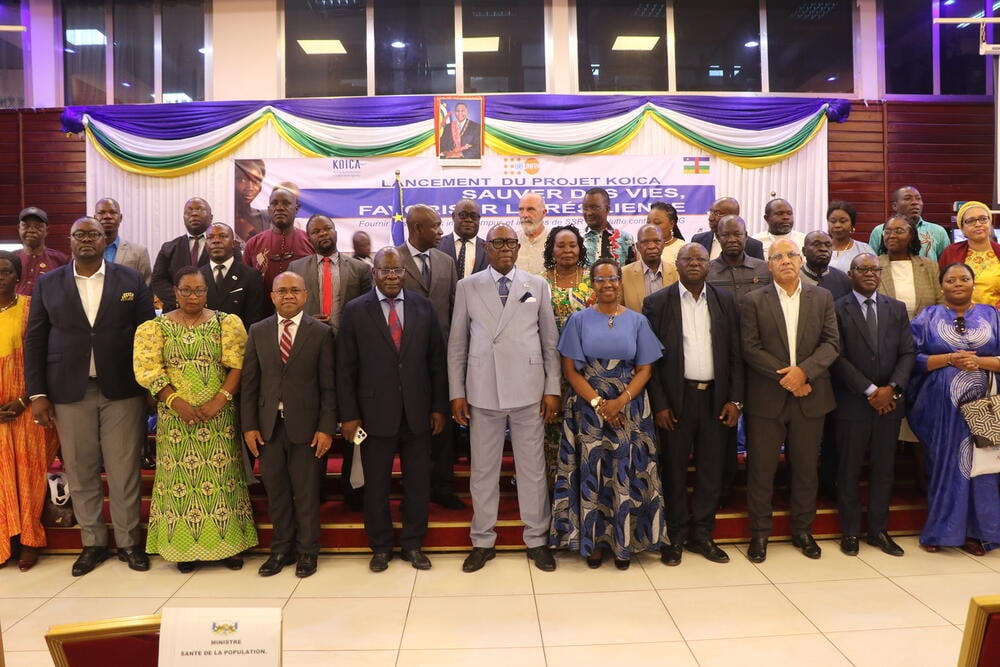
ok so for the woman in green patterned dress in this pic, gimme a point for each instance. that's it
(190, 359)
(565, 270)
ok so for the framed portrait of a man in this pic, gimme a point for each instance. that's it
(458, 126)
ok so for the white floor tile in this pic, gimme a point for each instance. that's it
(990, 560)
(949, 594)
(812, 650)
(481, 657)
(698, 572)
(13, 610)
(236, 603)
(786, 564)
(47, 578)
(905, 647)
(28, 659)
(113, 579)
(674, 654)
(860, 604)
(349, 576)
(471, 622)
(734, 611)
(507, 574)
(611, 618)
(339, 658)
(344, 624)
(917, 561)
(29, 633)
(573, 576)
(218, 582)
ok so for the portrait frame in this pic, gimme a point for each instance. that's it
(464, 148)
(142, 632)
(984, 610)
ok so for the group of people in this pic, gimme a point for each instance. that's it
(608, 361)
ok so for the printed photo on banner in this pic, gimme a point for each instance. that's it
(458, 126)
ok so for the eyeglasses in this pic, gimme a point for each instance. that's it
(895, 231)
(499, 244)
(192, 291)
(872, 270)
(980, 220)
(284, 291)
(80, 235)
(395, 271)
(600, 280)
(784, 255)
(469, 214)
(960, 327)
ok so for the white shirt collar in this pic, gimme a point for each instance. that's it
(99, 272)
(496, 275)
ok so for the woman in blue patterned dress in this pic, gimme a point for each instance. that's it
(607, 492)
(957, 345)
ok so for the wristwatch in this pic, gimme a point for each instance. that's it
(595, 401)
(897, 393)
(739, 406)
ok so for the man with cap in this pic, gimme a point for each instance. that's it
(36, 259)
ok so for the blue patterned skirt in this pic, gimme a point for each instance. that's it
(607, 488)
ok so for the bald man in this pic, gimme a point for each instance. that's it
(709, 240)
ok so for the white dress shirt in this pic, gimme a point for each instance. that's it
(470, 253)
(790, 309)
(696, 325)
(292, 331)
(531, 256)
(226, 265)
(91, 288)
(766, 238)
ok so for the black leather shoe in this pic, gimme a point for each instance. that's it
(622, 564)
(233, 562)
(449, 501)
(274, 564)
(380, 561)
(757, 553)
(306, 567)
(542, 557)
(135, 557)
(89, 558)
(478, 558)
(885, 543)
(670, 554)
(808, 546)
(709, 550)
(849, 545)
(417, 558)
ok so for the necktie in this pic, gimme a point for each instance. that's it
(327, 290)
(285, 344)
(871, 321)
(195, 250)
(504, 289)
(461, 260)
(395, 326)
(425, 268)
(219, 274)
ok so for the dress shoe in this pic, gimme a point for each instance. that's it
(187, 566)
(542, 557)
(274, 564)
(306, 567)
(670, 554)
(135, 557)
(974, 547)
(594, 561)
(28, 558)
(622, 564)
(757, 553)
(233, 562)
(808, 546)
(885, 543)
(89, 558)
(709, 549)
(417, 558)
(355, 500)
(380, 561)
(849, 545)
(478, 558)
(449, 501)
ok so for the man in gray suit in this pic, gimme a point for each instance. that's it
(790, 340)
(116, 249)
(503, 365)
(332, 278)
(431, 274)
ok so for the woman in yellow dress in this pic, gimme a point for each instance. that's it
(979, 250)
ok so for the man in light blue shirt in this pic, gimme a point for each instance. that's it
(907, 201)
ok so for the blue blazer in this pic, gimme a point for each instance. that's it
(59, 339)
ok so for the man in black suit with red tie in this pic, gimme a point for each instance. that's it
(233, 287)
(392, 381)
(289, 416)
(869, 377)
(185, 250)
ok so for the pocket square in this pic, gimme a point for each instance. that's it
(528, 297)
(128, 296)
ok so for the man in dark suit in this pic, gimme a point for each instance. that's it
(789, 341)
(289, 414)
(696, 393)
(464, 245)
(818, 251)
(461, 138)
(431, 274)
(869, 377)
(393, 382)
(233, 287)
(185, 250)
(332, 278)
(709, 240)
(78, 370)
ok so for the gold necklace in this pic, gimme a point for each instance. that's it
(187, 323)
(556, 277)
(9, 305)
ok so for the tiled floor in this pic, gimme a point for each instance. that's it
(870, 610)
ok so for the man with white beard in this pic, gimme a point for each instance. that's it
(533, 234)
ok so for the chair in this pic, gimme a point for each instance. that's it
(981, 639)
(133, 641)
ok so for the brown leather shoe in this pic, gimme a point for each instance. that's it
(28, 558)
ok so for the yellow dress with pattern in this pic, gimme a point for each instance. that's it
(986, 266)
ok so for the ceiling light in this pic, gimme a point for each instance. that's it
(753, 43)
(832, 77)
(13, 28)
(398, 44)
(315, 47)
(86, 37)
(635, 42)
(481, 44)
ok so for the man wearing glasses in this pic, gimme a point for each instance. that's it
(789, 340)
(464, 245)
(78, 371)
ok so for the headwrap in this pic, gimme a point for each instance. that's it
(960, 216)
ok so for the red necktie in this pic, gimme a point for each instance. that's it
(395, 326)
(195, 250)
(456, 135)
(327, 288)
(285, 344)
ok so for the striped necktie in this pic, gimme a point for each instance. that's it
(285, 344)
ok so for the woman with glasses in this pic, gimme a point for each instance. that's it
(978, 250)
(905, 274)
(190, 360)
(957, 345)
(608, 495)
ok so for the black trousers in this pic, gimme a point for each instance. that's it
(877, 435)
(698, 428)
(415, 458)
(442, 470)
(801, 435)
(291, 474)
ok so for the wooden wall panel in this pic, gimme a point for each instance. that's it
(857, 164)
